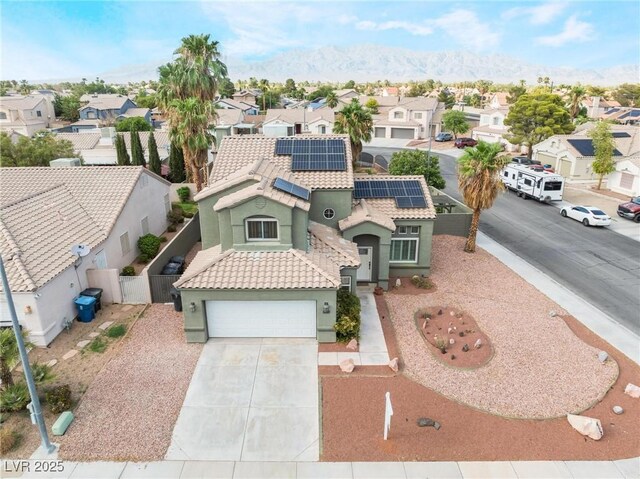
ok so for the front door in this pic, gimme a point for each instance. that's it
(366, 260)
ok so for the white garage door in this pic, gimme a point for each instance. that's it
(405, 133)
(261, 319)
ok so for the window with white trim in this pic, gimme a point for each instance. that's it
(261, 229)
(125, 244)
(144, 224)
(329, 213)
(417, 115)
(414, 230)
(345, 282)
(404, 250)
(398, 115)
(402, 230)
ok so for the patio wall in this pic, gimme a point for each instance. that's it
(109, 281)
(454, 218)
(173, 196)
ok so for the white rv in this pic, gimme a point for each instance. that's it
(527, 183)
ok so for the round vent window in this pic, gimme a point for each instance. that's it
(329, 213)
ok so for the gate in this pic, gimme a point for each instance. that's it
(134, 289)
(161, 285)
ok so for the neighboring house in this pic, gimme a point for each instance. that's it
(597, 106)
(410, 118)
(232, 122)
(622, 115)
(24, 115)
(572, 155)
(289, 122)
(390, 91)
(471, 114)
(105, 107)
(80, 126)
(246, 96)
(491, 128)
(285, 224)
(626, 179)
(134, 112)
(46, 211)
(245, 107)
(98, 147)
(498, 101)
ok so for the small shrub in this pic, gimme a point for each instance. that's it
(41, 373)
(149, 245)
(14, 398)
(183, 193)
(59, 398)
(441, 344)
(175, 216)
(347, 328)
(171, 228)
(128, 271)
(188, 214)
(348, 304)
(420, 282)
(143, 259)
(116, 331)
(163, 239)
(9, 440)
(97, 346)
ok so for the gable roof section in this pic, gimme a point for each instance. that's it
(37, 232)
(133, 112)
(104, 101)
(362, 212)
(237, 105)
(328, 241)
(28, 102)
(80, 141)
(236, 152)
(299, 115)
(265, 189)
(101, 191)
(252, 270)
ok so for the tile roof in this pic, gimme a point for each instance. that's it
(131, 112)
(299, 115)
(80, 141)
(101, 191)
(228, 117)
(37, 232)
(107, 101)
(265, 189)
(231, 269)
(236, 152)
(388, 205)
(236, 104)
(162, 138)
(20, 102)
(363, 213)
(328, 241)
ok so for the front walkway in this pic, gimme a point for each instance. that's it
(251, 399)
(372, 348)
(622, 469)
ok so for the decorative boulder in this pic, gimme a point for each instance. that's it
(602, 356)
(393, 364)
(398, 283)
(452, 341)
(618, 409)
(347, 365)
(632, 390)
(587, 426)
(478, 344)
(553, 314)
(353, 344)
(465, 348)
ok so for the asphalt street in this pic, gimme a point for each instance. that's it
(599, 265)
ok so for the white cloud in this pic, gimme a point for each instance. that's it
(538, 15)
(574, 31)
(409, 27)
(264, 27)
(465, 27)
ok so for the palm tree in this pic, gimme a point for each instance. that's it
(576, 95)
(185, 92)
(331, 99)
(264, 86)
(9, 354)
(189, 120)
(355, 121)
(479, 182)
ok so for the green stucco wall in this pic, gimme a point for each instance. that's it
(270, 209)
(195, 324)
(423, 266)
(380, 252)
(338, 200)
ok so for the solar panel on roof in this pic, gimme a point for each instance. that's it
(620, 134)
(407, 193)
(318, 155)
(585, 147)
(635, 113)
(284, 146)
(291, 188)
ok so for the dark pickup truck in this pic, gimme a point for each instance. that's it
(631, 209)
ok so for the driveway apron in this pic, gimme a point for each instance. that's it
(253, 399)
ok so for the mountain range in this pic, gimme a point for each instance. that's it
(374, 62)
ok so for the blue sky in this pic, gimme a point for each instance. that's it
(49, 39)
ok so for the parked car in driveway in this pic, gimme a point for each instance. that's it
(463, 142)
(630, 210)
(174, 266)
(587, 215)
(444, 137)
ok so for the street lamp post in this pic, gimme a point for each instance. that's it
(34, 409)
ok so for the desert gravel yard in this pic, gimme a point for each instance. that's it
(540, 368)
(129, 411)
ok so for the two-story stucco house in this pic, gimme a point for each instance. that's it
(491, 128)
(46, 211)
(247, 108)
(284, 224)
(24, 115)
(106, 107)
(288, 122)
(410, 118)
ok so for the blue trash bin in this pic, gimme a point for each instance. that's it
(86, 308)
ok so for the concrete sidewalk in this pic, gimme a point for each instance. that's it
(623, 469)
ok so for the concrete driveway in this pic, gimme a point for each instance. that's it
(251, 399)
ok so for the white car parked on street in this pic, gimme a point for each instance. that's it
(587, 215)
